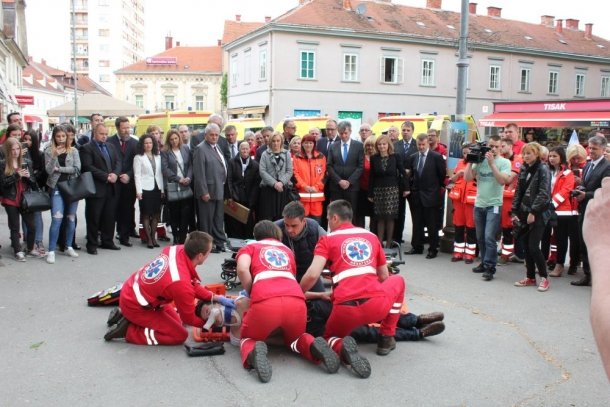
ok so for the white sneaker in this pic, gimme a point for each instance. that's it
(70, 252)
(19, 256)
(51, 257)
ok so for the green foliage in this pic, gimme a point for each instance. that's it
(223, 90)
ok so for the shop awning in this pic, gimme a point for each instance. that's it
(247, 110)
(547, 119)
(30, 118)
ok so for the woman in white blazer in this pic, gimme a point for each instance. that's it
(148, 177)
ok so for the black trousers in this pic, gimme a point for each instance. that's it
(567, 229)
(584, 254)
(424, 217)
(14, 216)
(350, 196)
(533, 254)
(399, 225)
(125, 210)
(100, 215)
(180, 214)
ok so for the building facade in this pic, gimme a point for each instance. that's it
(180, 78)
(328, 57)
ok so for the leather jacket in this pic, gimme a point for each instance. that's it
(8, 183)
(534, 197)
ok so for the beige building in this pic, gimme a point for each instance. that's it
(363, 60)
(179, 78)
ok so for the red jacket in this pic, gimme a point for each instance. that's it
(516, 162)
(560, 196)
(463, 191)
(310, 172)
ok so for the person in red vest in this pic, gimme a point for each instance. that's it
(463, 195)
(508, 243)
(511, 131)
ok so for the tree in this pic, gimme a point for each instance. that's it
(223, 90)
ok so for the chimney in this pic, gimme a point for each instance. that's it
(547, 21)
(238, 17)
(169, 42)
(494, 12)
(589, 31)
(472, 8)
(43, 61)
(559, 26)
(434, 4)
(267, 19)
(347, 5)
(177, 43)
(572, 24)
(219, 42)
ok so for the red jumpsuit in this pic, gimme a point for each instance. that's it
(358, 296)
(147, 292)
(277, 301)
(508, 244)
(463, 195)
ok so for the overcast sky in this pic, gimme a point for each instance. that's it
(200, 22)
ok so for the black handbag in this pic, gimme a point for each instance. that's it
(76, 188)
(293, 194)
(35, 201)
(178, 192)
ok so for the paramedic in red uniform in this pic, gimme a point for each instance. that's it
(362, 290)
(144, 316)
(516, 161)
(267, 271)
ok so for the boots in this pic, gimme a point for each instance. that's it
(557, 271)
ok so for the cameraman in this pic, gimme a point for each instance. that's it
(491, 173)
(593, 174)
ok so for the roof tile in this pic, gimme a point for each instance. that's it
(189, 59)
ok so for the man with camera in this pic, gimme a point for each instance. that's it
(593, 174)
(492, 172)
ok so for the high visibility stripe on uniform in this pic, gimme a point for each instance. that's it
(311, 194)
(397, 304)
(350, 231)
(136, 290)
(149, 334)
(470, 251)
(293, 346)
(353, 272)
(394, 311)
(273, 274)
(173, 266)
(332, 341)
(566, 213)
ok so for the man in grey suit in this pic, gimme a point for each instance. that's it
(211, 182)
(345, 166)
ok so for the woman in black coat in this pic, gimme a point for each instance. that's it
(244, 190)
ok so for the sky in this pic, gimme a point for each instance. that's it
(200, 22)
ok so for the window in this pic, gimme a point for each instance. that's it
(169, 102)
(525, 80)
(308, 65)
(233, 69)
(553, 82)
(140, 101)
(104, 32)
(580, 85)
(391, 69)
(494, 77)
(262, 65)
(350, 67)
(199, 102)
(605, 92)
(104, 63)
(427, 72)
(247, 67)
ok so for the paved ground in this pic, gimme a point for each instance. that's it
(503, 345)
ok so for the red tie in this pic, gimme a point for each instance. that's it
(123, 145)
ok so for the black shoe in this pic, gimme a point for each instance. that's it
(427, 319)
(434, 328)
(488, 274)
(385, 345)
(550, 265)
(583, 282)
(150, 246)
(91, 250)
(114, 316)
(126, 243)
(257, 359)
(134, 234)
(110, 247)
(479, 269)
(414, 251)
(431, 254)
(350, 355)
(164, 239)
(155, 244)
(76, 246)
(118, 330)
(572, 269)
(322, 352)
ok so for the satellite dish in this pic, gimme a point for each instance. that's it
(361, 9)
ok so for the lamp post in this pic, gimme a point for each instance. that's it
(74, 64)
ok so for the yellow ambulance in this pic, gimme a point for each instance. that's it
(245, 124)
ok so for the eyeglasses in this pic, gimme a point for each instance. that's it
(365, 130)
(329, 129)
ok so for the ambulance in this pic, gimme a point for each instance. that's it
(304, 123)
(245, 124)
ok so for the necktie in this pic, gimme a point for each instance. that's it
(420, 164)
(123, 145)
(233, 151)
(344, 153)
(221, 159)
(591, 168)
(406, 147)
(105, 153)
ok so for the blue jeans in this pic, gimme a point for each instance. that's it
(59, 208)
(39, 227)
(487, 224)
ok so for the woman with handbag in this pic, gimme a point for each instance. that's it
(16, 178)
(62, 162)
(177, 175)
(275, 169)
(149, 186)
(31, 145)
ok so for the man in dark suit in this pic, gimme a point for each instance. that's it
(405, 148)
(266, 132)
(330, 137)
(95, 119)
(427, 174)
(345, 166)
(245, 182)
(211, 184)
(104, 163)
(196, 139)
(593, 174)
(126, 147)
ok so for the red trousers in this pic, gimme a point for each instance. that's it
(313, 208)
(286, 313)
(344, 318)
(463, 214)
(153, 327)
